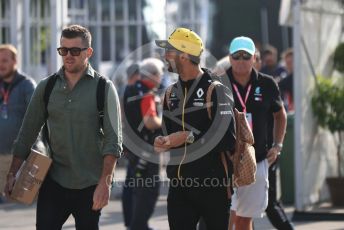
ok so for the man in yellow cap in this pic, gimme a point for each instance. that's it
(197, 134)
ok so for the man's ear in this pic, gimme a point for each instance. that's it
(184, 57)
(89, 52)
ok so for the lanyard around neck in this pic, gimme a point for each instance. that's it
(242, 102)
(5, 94)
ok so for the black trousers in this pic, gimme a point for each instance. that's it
(139, 196)
(185, 207)
(56, 203)
(127, 196)
(275, 211)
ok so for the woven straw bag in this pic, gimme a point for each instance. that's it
(244, 159)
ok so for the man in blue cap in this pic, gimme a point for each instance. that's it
(258, 96)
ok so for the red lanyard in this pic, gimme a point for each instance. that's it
(5, 94)
(243, 103)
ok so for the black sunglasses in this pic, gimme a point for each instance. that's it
(171, 49)
(241, 55)
(74, 51)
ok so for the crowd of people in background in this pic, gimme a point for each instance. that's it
(158, 116)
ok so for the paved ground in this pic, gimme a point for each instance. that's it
(20, 217)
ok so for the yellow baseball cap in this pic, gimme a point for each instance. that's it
(184, 40)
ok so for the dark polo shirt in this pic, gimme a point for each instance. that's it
(264, 99)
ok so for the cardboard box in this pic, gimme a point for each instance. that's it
(30, 177)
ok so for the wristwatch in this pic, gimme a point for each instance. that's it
(279, 146)
(190, 138)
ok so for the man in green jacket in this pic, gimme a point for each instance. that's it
(84, 158)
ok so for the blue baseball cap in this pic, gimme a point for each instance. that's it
(242, 43)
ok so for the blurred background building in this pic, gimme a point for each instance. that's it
(120, 27)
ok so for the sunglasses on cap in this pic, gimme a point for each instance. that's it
(241, 55)
(74, 51)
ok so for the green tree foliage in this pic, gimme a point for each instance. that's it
(328, 108)
(338, 58)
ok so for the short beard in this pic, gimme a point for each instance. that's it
(76, 69)
(73, 70)
(7, 76)
(173, 67)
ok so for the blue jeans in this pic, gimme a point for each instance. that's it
(56, 203)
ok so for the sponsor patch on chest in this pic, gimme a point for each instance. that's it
(198, 104)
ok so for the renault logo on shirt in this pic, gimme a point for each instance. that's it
(199, 92)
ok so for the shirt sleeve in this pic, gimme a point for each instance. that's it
(112, 126)
(32, 122)
(276, 100)
(148, 107)
(222, 113)
(29, 89)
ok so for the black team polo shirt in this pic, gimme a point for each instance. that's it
(264, 98)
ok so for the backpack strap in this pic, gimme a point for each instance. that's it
(224, 161)
(224, 157)
(168, 95)
(101, 99)
(209, 93)
(47, 92)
